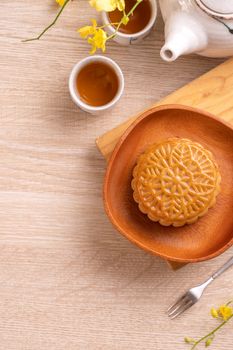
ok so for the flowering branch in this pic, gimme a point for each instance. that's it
(224, 314)
(125, 18)
(96, 36)
(51, 24)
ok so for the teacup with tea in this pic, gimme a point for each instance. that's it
(140, 22)
(96, 83)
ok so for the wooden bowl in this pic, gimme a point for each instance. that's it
(210, 235)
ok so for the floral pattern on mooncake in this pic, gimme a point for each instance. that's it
(176, 181)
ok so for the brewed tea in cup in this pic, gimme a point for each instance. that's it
(96, 83)
(137, 21)
(140, 22)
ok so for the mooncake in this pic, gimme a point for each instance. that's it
(176, 181)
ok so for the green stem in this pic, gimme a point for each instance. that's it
(107, 25)
(133, 8)
(211, 333)
(128, 15)
(50, 25)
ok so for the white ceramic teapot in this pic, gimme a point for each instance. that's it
(201, 26)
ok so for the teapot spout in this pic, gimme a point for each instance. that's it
(183, 35)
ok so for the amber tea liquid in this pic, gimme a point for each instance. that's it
(97, 84)
(138, 21)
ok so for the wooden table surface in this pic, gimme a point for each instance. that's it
(68, 280)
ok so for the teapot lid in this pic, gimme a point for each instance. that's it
(217, 8)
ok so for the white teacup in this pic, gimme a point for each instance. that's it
(73, 84)
(129, 39)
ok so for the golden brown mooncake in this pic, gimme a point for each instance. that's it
(175, 182)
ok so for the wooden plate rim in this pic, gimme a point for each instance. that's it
(122, 138)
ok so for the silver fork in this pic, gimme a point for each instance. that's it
(193, 295)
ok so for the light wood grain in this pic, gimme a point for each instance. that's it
(67, 279)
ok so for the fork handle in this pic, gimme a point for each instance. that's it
(222, 269)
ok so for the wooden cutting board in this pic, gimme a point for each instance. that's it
(212, 92)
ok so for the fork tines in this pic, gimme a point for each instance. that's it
(182, 304)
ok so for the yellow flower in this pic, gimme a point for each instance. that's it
(60, 2)
(97, 37)
(120, 4)
(214, 312)
(108, 5)
(88, 30)
(98, 40)
(225, 312)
